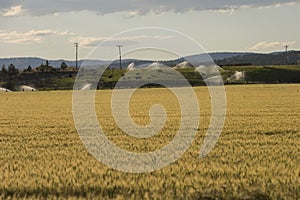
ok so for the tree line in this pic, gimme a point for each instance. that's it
(11, 70)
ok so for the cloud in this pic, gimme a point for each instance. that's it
(270, 45)
(133, 7)
(124, 41)
(87, 41)
(36, 36)
(13, 11)
(32, 36)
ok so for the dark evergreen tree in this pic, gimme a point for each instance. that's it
(3, 69)
(63, 65)
(29, 69)
(12, 70)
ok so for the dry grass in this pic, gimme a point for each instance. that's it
(257, 156)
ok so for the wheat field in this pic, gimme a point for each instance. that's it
(257, 155)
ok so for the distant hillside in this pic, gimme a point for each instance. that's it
(276, 58)
(221, 58)
(223, 55)
(23, 63)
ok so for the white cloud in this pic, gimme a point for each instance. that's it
(65, 33)
(32, 36)
(133, 7)
(35, 36)
(125, 41)
(234, 7)
(87, 41)
(270, 45)
(13, 11)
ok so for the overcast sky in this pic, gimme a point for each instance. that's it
(48, 28)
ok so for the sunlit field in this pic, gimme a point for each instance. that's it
(256, 157)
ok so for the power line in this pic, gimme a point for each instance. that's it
(286, 54)
(120, 54)
(76, 47)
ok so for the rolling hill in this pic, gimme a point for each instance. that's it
(220, 58)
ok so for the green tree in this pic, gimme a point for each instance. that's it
(3, 69)
(3, 74)
(63, 65)
(45, 67)
(12, 70)
(29, 68)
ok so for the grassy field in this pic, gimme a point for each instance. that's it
(64, 80)
(256, 157)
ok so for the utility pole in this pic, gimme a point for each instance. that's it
(286, 54)
(120, 54)
(76, 47)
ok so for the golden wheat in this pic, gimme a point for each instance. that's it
(256, 157)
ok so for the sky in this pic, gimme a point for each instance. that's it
(49, 28)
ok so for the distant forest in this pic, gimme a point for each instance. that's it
(280, 58)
